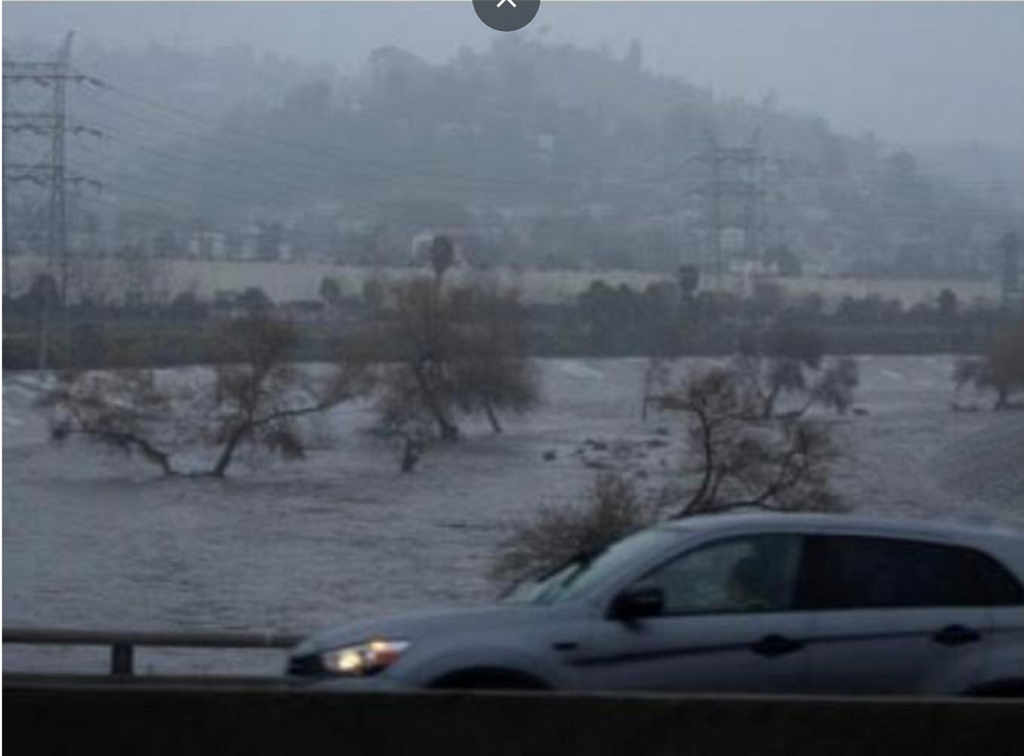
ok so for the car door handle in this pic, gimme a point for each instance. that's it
(956, 635)
(776, 645)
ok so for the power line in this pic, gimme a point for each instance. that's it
(249, 171)
(318, 153)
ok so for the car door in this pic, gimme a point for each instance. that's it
(891, 616)
(710, 636)
(1005, 595)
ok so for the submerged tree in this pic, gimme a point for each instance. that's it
(255, 397)
(739, 458)
(1000, 369)
(793, 364)
(123, 410)
(493, 371)
(420, 336)
(441, 353)
(259, 394)
(742, 458)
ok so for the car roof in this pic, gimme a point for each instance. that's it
(1004, 543)
(843, 522)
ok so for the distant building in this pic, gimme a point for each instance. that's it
(206, 244)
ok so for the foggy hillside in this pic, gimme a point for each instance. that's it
(552, 155)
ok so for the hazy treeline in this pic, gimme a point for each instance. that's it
(662, 319)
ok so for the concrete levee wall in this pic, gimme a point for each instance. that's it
(109, 279)
(182, 719)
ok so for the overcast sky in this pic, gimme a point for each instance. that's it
(910, 72)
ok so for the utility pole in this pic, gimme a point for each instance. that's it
(49, 123)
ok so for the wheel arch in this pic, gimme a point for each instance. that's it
(484, 676)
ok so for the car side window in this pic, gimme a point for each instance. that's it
(855, 572)
(995, 583)
(755, 573)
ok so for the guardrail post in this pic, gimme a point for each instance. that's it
(121, 661)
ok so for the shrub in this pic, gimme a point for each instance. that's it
(611, 509)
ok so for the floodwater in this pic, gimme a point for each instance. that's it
(95, 540)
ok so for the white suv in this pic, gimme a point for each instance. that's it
(729, 603)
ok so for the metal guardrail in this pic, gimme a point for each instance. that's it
(122, 643)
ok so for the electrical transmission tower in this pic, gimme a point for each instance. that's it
(1010, 248)
(732, 193)
(43, 85)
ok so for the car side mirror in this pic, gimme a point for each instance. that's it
(638, 601)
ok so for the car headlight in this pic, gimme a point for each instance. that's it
(363, 659)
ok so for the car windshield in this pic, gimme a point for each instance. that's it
(583, 571)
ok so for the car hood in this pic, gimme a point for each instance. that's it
(425, 625)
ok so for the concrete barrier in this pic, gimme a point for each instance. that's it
(174, 718)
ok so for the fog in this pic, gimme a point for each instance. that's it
(909, 72)
(884, 140)
(319, 311)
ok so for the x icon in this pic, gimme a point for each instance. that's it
(506, 1)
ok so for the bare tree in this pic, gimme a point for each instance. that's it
(744, 459)
(781, 366)
(441, 353)
(260, 394)
(124, 410)
(793, 364)
(493, 371)
(1000, 369)
(834, 385)
(257, 397)
(421, 336)
(741, 459)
